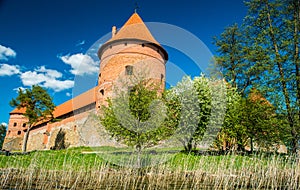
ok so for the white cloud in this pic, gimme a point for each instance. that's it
(8, 70)
(47, 78)
(68, 94)
(17, 89)
(3, 123)
(6, 53)
(49, 72)
(81, 64)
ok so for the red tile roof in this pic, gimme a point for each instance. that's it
(80, 101)
(133, 29)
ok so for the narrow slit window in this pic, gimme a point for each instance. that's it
(15, 124)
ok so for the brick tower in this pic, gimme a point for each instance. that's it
(130, 50)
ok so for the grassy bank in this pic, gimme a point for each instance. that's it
(97, 169)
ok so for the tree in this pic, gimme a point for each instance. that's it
(136, 116)
(233, 135)
(200, 104)
(267, 48)
(258, 118)
(2, 134)
(39, 107)
(187, 132)
(230, 59)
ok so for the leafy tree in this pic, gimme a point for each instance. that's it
(258, 118)
(2, 134)
(188, 131)
(39, 107)
(230, 60)
(136, 117)
(200, 106)
(264, 52)
(232, 135)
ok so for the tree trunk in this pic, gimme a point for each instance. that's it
(138, 161)
(283, 82)
(25, 139)
(251, 145)
(296, 18)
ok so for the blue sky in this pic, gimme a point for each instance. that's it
(44, 41)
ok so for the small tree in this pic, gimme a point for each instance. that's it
(39, 107)
(201, 108)
(258, 118)
(136, 117)
(2, 134)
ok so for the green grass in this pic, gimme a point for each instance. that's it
(114, 168)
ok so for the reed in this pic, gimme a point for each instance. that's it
(70, 169)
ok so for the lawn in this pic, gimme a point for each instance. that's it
(115, 168)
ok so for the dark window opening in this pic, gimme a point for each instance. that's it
(25, 130)
(143, 45)
(129, 70)
(15, 124)
(8, 132)
(102, 92)
(19, 132)
(125, 43)
(99, 75)
(24, 124)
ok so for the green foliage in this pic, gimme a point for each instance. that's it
(2, 134)
(200, 108)
(137, 118)
(37, 102)
(264, 53)
(232, 135)
(38, 105)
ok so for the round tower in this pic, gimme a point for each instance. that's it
(131, 51)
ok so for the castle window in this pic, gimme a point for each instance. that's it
(125, 43)
(128, 69)
(161, 77)
(15, 124)
(102, 92)
(19, 132)
(143, 45)
(25, 130)
(24, 124)
(8, 132)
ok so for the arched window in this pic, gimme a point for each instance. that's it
(15, 124)
(19, 132)
(24, 125)
(128, 69)
(102, 92)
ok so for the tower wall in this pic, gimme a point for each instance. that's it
(146, 60)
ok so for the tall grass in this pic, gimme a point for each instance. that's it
(70, 169)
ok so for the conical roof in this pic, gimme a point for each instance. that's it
(134, 29)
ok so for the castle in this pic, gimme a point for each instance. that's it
(130, 50)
